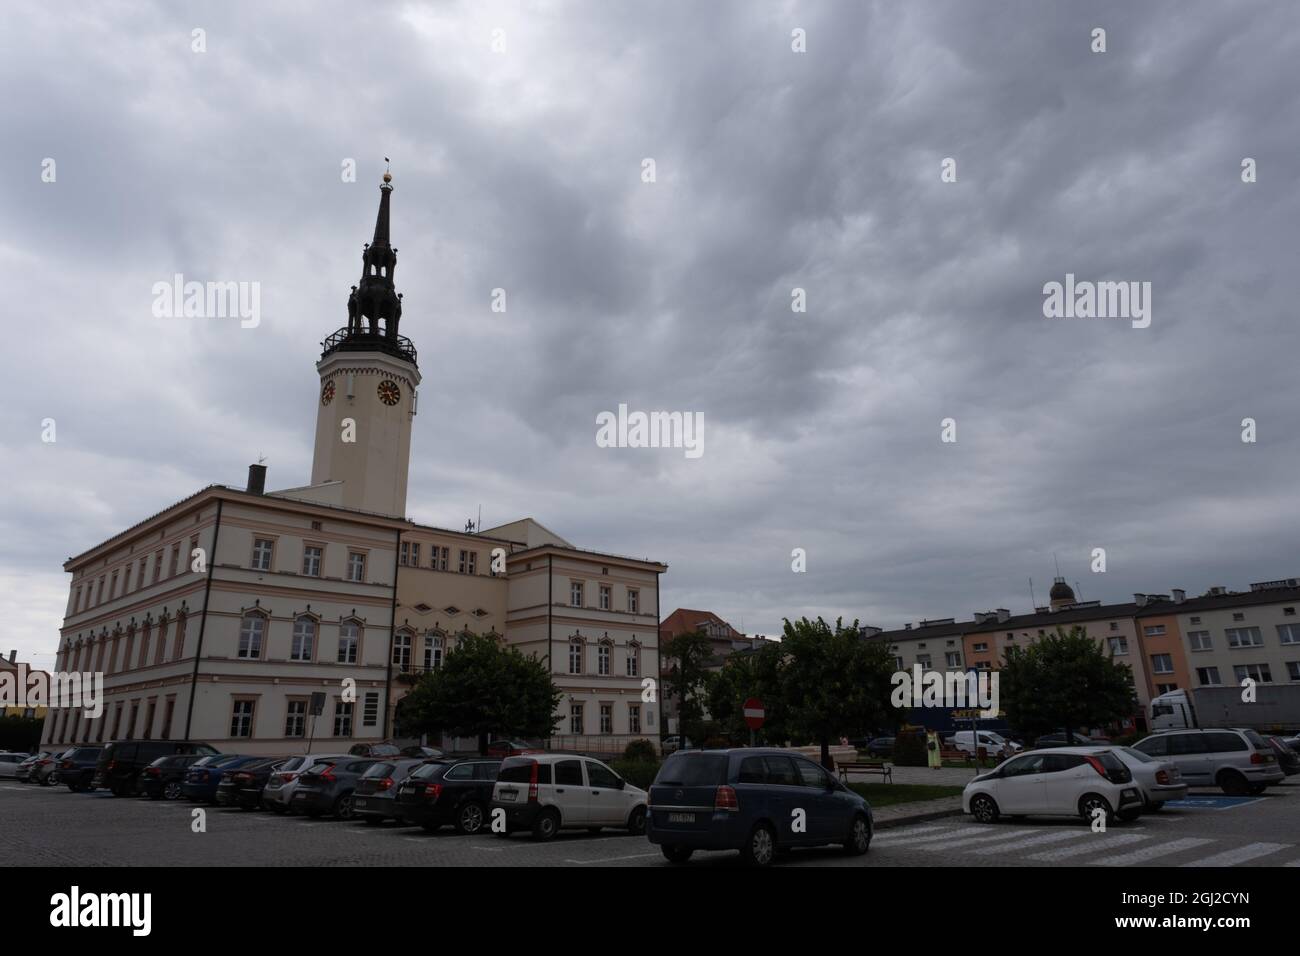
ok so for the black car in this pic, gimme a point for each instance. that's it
(880, 747)
(329, 788)
(1287, 758)
(455, 791)
(164, 779)
(1058, 740)
(122, 761)
(242, 786)
(77, 768)
(375, 797)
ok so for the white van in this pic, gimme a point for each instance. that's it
(994, 744)
(545, 793)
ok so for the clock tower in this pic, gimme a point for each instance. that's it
(368, 378)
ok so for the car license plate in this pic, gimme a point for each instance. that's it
(508, 795)
(681, 818)
(300, 796)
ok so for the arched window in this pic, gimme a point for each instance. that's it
(575, 655)
(433, 650)
(349, 642)
(402, 641)
(252, 633)
(304, 638)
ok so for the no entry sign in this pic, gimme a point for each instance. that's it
(754, 713)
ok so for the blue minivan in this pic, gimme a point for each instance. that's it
(755, 800)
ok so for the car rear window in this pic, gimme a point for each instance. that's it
(1256, 740)
(427, 771)
(1138, 755)
(693, 770)
(1107, 759)
(380, 770)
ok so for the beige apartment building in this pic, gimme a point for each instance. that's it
(226, 616)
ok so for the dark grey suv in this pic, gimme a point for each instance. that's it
(329, 788)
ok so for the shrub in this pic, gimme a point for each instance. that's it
(640, 750)
(639, 773)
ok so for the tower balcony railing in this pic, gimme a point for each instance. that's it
(350, 340)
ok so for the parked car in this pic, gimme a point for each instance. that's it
(25, 767)
(9, 763)
(282, 783)
(122, 761)
(548, 792)
(452, 790)
(747, 799)
(164, 779)
(77, 768)
(384, 748)
(1063, 781)
(880, 747)
(510, 748)
(241, 786)
(375, 799)
(993, 743)
(1293, 743)
(1159, 780)
(46, 770)
(330, 787)
(674, 742)
(1287, 759)
(204, 776)
(1059, 740)
(424, 752)
(1237, 761)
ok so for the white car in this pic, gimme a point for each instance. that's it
(281, 784)
(9, 763)
(994, 744)
(1160, 780)
(546, 793)
(1063, 781)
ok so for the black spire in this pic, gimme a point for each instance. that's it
(376, 298)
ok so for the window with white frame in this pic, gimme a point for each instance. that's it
(473, 562)
(633, 660)
(241, 719)
(575, 594)
(402, 650)
(1153, 630)
(1244, 637)
(1288, 633)
(304, 638)
(356, 566)
(251, 632)
(463, 564)
(1162, 663)
(606, 718)
(342, 719)
(1257, 672)
(311, 555)
(924, 661)
(605, 593)
(440, 557)
(633, 600)
(575, 656)
(1200, 641)
(979, 648)
(295, 718)
(575, 718)
(603, 654)
(952, 659)
(634, 718)
(349, 642)
(432, 651)
(1208, 676)
(1119, 645)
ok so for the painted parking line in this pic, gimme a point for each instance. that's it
(1241, 854)
(1057, 837)
(1106, 842)
(1150, 852)
(614, 859)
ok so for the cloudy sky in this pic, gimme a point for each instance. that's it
(521, 169)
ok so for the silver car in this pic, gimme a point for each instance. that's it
(1160, 780)
(281, 785)
(1237, 761)
(9, 763)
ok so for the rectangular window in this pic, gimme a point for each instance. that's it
(606, 718)
(356, 566)
(924, 661)
(1165, 688)
(295, 718)
(602, 660)
(575, 657)
(135, 719)
(1114, 625)
(1293, 670)
(150, 712)
(1288, 612)
(263, 549)
(432, 652)
(575, 594)
(1196, 620)
(952, 659)
(1208, 676)
(415, 554)
(140, 570)
(1244, 637)
(443, 556)
(1119, 645)
(126, 578)
(604, 597)
(633, 661)
(169, 710)
(463, 566)
(1239, 616)
(342, 719)
(250, 636)
(634, 718)
(1153, 630)
(311, 561)
(980, 648)
(402, 650)
(405, 558)
(176, 560)
(1288, 633)
(1200, 641)
(633, 601)
(99, 593)
(370, 711)
(304, 639)
(349, 642)
(157, 566)
(112, 587)
(1257, 672)
(1162, 664)
(575, 719)
(241, 719)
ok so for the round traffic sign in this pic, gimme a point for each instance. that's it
(754, 713)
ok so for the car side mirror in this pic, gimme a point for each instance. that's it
(622, 783)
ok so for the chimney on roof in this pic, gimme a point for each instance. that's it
(1179, 595)
(1003, 614)
(256, 479)
(1139, 599)
(13, 656)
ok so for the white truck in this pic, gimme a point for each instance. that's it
(1274, 709)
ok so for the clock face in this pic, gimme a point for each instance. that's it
(327, 393)
(389, 393)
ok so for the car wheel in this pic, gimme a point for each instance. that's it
(984, 808)
(1233, 783)
(1090, 803)
(636, 821)
(547, 825)
(760, 848)
(343, 807)
(1257, 788)
(859, 840)
(470, 818)
(172, 791)
(676, 854)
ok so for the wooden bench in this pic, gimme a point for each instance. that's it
(884, 770)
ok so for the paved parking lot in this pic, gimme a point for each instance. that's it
(51, 826)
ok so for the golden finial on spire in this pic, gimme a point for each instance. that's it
(388, 177)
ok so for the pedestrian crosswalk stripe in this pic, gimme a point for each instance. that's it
(1240, 855)
(1100, 841)
(1292, 863)
(906, 832)
(926, 838)
(971, 841)
(1150, 852)
(1055, 837)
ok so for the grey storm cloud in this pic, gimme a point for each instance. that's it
(521, 170)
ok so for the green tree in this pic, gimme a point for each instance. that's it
(756, 674)
(688, 679)
(1064, 680)
(833, 682)
(484, 687)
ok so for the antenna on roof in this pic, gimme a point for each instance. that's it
(1078, 591)
(1058, 564)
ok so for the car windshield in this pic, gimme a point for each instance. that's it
(693, 769)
